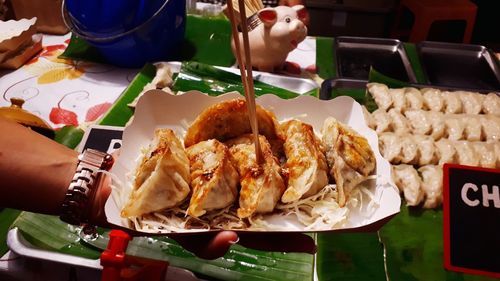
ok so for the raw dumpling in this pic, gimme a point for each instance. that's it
(473, 128)
(409, 183)
(454, 128)
(453, 103)
(261, 184)
(214, 180)
(472, 102)
(229, 119)
(446, 151)
(491, 104)
(490, 125)
(437, 123)
(427, 150)
(306, 164)
(349, 156)
(466, 154)
(382, 121)
(390, 146)
(409, 150)
(414, 98)
(380, 94)
(432, 185)
(419, 122)
(162, 178)
(399, 123)
(398, 99)
(368, 118)
(433, 99)
(496, 145)
(486, 153)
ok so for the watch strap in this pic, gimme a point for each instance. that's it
(81, 190)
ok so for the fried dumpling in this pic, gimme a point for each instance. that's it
(214, 180)
(349, 156)
(162, 178)
(306, 163)
(261, 184)
(227, 120)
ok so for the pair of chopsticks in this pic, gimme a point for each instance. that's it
(245, 69)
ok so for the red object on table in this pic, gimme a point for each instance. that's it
(427, 12)
(117, 266)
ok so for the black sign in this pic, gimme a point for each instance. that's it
(102, 138)
(471, 209)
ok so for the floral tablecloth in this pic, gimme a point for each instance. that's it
(63, 91)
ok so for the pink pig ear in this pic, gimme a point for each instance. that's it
(268, 16)
(301, 12)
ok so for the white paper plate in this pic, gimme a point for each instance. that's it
(157, 110)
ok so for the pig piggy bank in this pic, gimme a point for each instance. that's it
(281, 30)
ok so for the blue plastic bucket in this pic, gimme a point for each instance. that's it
(156, 38)
(104, 18)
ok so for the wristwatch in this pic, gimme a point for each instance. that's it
(81, 191)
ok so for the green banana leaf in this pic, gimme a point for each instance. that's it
(7, 216)
(50, 233)
(325, 58)
(69, 136)
(213, 81)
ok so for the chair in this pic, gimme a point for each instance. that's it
(427, 12)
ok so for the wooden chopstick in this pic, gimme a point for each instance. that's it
(246, 71)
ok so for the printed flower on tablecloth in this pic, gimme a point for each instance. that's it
(50, 68)
(62, 114)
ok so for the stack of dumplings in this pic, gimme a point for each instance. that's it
(420, 130)
(216, 168)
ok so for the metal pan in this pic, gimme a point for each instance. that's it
(355, 55)
(329, 85)
(459, 65)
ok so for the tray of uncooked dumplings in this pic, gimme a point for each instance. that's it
(420, 129)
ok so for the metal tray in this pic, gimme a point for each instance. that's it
(355, 55)
(340, 83)
(459, 65)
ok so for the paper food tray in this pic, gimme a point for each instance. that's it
(157, 110)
